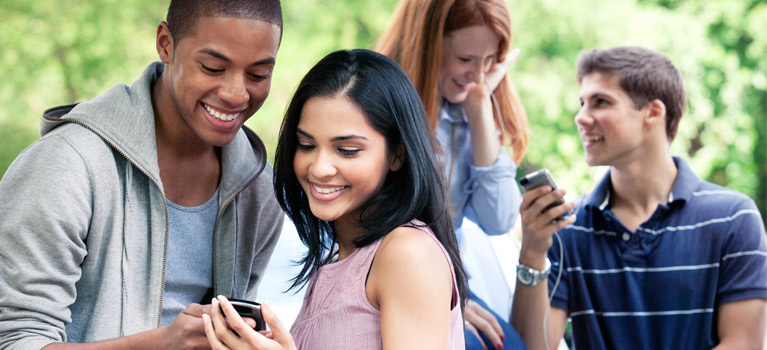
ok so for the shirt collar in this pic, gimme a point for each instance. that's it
(684, 186)
(452, 112)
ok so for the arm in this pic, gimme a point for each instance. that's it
(411, 283)
(45, 213)
(494, 197)
(45, 209)
(742, 324)
(742, 310)
(531, 302)
(185, 332)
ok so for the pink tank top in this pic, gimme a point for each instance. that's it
(336, 313)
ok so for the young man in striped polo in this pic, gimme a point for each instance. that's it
(654, 258)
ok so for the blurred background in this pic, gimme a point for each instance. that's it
(55, 52)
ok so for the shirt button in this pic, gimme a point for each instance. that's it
(626, 236)
(473, 185)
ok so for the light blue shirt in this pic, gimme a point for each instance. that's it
(489, 195)
(189, 268)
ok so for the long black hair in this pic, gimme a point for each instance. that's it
(392, 106)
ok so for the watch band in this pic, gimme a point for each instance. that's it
(529, 276)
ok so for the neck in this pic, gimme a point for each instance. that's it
(346, 233)
(638, 187)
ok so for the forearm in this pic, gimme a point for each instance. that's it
(531, 303)
(145, 340)
(484, 135)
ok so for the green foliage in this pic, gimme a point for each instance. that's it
(59, 52)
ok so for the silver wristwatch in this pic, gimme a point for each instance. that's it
(529, 276)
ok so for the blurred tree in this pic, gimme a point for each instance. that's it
(58, 52)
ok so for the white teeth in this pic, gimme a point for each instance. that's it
(220, 116)
(328, 190)
(593, 138)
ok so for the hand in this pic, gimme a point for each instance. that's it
(538, 226)
(186, 331)
(478, 319)
(498, 70)
(480, 93)
(220, 333)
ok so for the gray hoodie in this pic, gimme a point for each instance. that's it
(84, 223)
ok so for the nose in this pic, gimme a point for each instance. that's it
(322, 167)
(582, 118)
(233, 90)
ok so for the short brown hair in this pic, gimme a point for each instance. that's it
(644, 74)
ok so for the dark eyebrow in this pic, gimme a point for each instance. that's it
(298, 130)
(337, 138)
(349, 137)
(216, 54)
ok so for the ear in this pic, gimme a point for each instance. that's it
(164, 43)
(398, 159)
(656, 114)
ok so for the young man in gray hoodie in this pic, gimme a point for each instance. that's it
(136, 207)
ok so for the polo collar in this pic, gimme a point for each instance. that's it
(684, 186)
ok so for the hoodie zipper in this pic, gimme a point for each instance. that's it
(229, 201)
(165, 205)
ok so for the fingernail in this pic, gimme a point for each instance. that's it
(499, 346)
(502, 337)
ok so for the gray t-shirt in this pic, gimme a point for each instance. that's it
(189, 267)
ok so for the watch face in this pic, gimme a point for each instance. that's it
(525, 277)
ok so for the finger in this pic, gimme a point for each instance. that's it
(541, 206)
(491, 320)
(279, 333)
(513, 55)
(484, 327)
(220, 324)
(249, 321)
(474, 331)
(196, 310)
(210, 333)
(233, 318)
(531, 196)
(267, 333)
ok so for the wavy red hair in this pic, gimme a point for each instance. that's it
(414, 40)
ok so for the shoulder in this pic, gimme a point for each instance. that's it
(410, 245)
(410, 257)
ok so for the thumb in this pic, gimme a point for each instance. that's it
(196, 310)
(280, 334)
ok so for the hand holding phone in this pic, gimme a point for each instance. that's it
(250, 309)
(540, 178)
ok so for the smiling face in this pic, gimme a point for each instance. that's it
(612, 130)
(341, 161)
(218, 77)
(467, 54)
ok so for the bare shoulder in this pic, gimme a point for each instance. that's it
(409, 266)
(412, 246)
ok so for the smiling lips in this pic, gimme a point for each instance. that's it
(220, 116)
(593, 138)
(326, 193)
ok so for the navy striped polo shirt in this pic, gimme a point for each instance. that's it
(659, 287)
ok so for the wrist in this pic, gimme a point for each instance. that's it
(533, 258)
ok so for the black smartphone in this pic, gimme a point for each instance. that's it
(539, 178)
(251, 309)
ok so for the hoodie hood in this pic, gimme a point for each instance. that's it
(124, 118)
